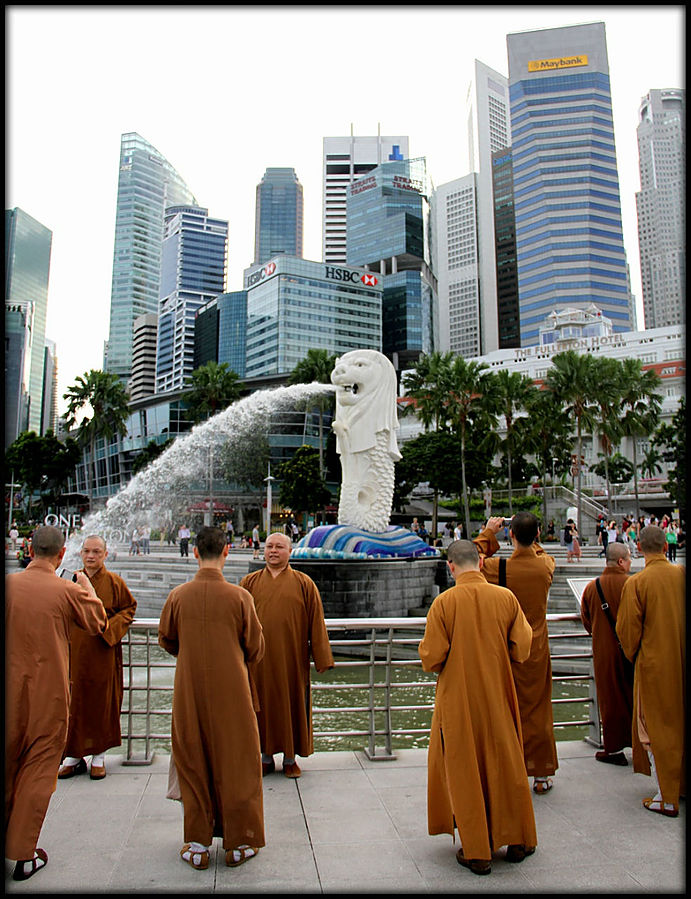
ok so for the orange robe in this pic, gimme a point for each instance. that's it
(96, 672)
(613, 679)
(652, 628)
(212, 628)
(529, 572)
(39, 609)
(290, 609)
(477, 780)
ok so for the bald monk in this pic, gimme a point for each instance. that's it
(613, 673)
(477, 780)
(96, 670)
(651, 625)
(290, 609)
(39, 611)
(213, 630)
(529, 573)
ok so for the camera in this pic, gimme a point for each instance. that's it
(507, 522)
(67, 575)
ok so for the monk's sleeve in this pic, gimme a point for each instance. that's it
(520, 636)
(486, 542)
(630, 620)
(435, 644)
(586, 617)
(87, 610)
(252, 633)
(167, 628)
(318, 634)
(124, 607)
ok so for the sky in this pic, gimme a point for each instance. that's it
(223, 92)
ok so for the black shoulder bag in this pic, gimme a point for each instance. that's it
(628, 664)
(502, 572)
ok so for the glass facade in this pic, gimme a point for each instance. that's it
(294, 305)
(147, 185)
(569, 240)
(505, 251)
(193, 271)
(27, 267)
(279, 215)
(389, 232)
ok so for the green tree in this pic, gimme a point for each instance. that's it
(105, 395)
(651, 462)
(316, 366)
(671, 439)
(151, 451)
(616, 467)
(514, 392)
(42, 464)
(608, 376)
(211, 388)
(302, 487)
(572, 381)
(641, 405)
(544, 432)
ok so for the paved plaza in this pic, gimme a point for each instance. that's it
(351, 825)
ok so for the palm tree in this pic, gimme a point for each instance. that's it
(607, 422)
(572, 382)
(514, 392)
(545, 428)
(642, 406)
(105, 394)
(650, 463)
(317, 366)
(211, 388)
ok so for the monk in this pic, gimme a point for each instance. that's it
(613, 672)
(529, 573)
(96, 670)
(213, 630)
(477, 780)
(39, 610)
(651, 626)
(290, 609)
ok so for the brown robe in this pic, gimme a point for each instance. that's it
(613, 677)
(529, 572)
(212, 628)
(96, 672)
(290, 609)
(652, 628)
(39, 609)
(477, 780)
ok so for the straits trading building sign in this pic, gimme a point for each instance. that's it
(562, 62)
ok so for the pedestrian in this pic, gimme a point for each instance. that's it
(528, 573)
(477, 780)
(613, 671)
(632, 539)
(39, 609)
(212, 629)
(294, 532)
(255, 541)
(671, 536)
(458, 531)
(602, 535)
(652, 629)
(291, 614)
(96, 670)
(415, 526)
(184, 538)
(14, 536)
(230, 533)
(134, 543)
(145, 540)
(573, 546)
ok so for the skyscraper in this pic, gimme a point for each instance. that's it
(27, 267)
(489, 130)
(49, 409)
(193, 271)
(147, 185)
(389, 231)
(505, 251)
(661, 206)
(345, 160)
(569, 242)
(278, 222)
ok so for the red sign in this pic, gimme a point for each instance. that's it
(369, 280)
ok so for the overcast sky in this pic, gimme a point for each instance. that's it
(225, 92)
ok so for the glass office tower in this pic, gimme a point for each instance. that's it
(27, 267)
(569, 242)
(193, 271)
(147, 185)
(389, 232)
(278, 223)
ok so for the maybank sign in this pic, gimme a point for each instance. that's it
(562, 62)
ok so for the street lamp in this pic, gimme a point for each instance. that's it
(11, 485)
(209, 515)
(268, 481)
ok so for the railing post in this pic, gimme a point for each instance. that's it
(593, 737)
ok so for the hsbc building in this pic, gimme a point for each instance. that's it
(294, 305)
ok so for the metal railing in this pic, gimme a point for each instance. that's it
(383, 649)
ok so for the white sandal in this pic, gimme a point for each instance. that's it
(195, 858)
(239, 856)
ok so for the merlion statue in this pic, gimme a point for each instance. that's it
(365, 426)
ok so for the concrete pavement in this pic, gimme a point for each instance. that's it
(350, 825)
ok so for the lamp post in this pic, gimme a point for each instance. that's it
(209, 515)
(268, 481)
(11, 485)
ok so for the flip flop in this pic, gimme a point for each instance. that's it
(239, 856)
(542, 786)
(650, 804)
(194, 858)
(39, 861)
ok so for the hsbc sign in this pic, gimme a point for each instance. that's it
(260, 274)
(343, 274)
